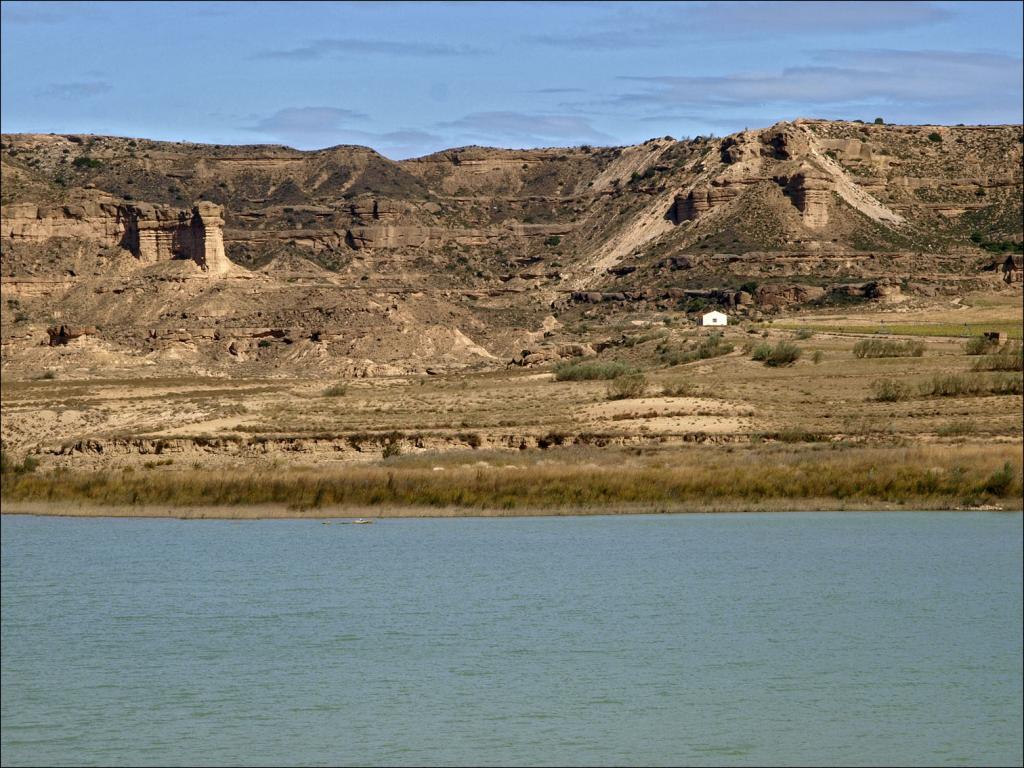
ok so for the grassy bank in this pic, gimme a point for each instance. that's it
(1010, 327)
(935, 477)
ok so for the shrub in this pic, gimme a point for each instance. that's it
(8, 467)
(887, 348)
(263, 343)
(86, 162)
(1010, 358)
(977, 345)
(391, 446)
(679, 388)
(712, 346)
(879, 121)
(627, 387)
(804, 334)
(950, 385)
(818, 356)
(957, 428)
(336, 390)
(1007, 384)
(550, 439)
(553, 241)
(889, 390)
(594, 370)
(934, 137)
(783, 353)
(955, 385)
(1000, 481)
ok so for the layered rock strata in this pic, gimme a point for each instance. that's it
(151, 233)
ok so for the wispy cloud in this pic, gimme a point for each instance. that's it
(318, 127)
(648, 25)
(334, 47)
(45, 12)
(525, 129)
(558, 90)
(936, 85)
(306, 121)
(76, 90)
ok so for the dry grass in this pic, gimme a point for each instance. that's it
(935, 477)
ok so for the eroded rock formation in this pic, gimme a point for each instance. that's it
(810, 190)
(151, 233)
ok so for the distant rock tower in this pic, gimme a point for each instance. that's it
(207, 236)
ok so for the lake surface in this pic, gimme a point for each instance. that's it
(805, 638)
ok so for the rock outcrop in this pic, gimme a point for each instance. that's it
(810, 190)
(704, 198)
(150, 233)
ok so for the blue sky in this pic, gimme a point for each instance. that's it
(412, 78)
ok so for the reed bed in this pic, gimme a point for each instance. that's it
(936, 477)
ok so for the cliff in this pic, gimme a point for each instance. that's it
(151, 233)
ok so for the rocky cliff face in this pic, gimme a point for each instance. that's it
(150, 233)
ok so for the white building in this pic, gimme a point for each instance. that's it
(714, 318)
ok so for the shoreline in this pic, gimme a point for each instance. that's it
(283, 512)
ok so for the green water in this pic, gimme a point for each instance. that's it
(803, 638)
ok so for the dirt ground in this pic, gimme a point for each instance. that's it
(161, 423)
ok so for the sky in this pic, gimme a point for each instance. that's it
(412, 78)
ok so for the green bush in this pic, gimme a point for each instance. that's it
(86, 162)
(934, 137)
(804, 333)
(712, 346)
(978, 345)
(783, 353)
(627, 387)
(263, 343)
(1000, 481)
(761, 351)
(888, 348)
(592, 370)
(553, 241)
(818, 356)
(889, 390)
(679, 388)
